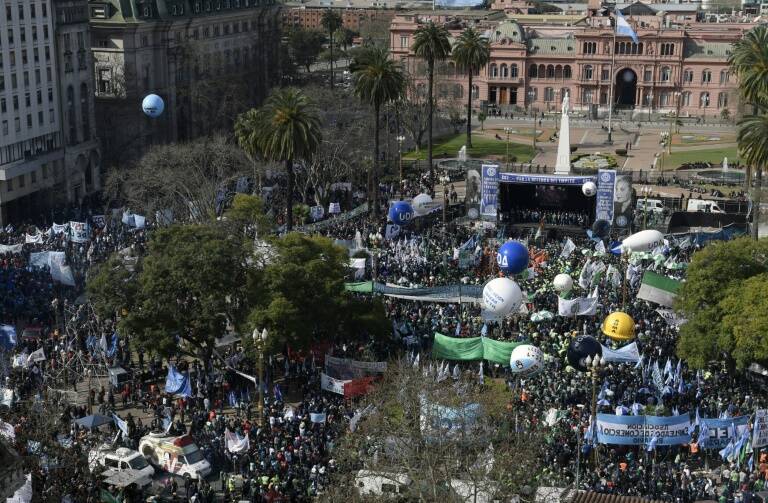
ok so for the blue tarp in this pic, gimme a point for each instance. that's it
(177, 383)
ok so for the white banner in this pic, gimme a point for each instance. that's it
(626, 354)
(358, 264)
(11, 249)
(34, 239)
(581, 306)
(334, 208)
(60, 228)
(760, 429)
(374, 367)
(79, 232)
(568, 248)
(62, 274)
(328, 383)
(236, 443)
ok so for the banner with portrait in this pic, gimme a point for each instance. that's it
(623, 208)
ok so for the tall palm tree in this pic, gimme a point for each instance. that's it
(378, 81)
(431, 43)
(331, 21)
(749, 61)
(471, 52)
(285, 128)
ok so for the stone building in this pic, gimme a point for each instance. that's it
(208, 59)
(678, 61)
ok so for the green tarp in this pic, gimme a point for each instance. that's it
(362, 287)
(472, 348)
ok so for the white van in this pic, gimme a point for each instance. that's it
(177, 455)
(121, 459)
(704, 205)
(650, 205)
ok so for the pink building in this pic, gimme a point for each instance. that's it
(678, 61)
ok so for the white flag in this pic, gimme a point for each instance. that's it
(567, 249)
(581, 306)
(36, 356)
(600, 247)
(236, 443)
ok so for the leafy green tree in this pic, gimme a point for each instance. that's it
(112, 287)
(286, 128)
(331, 21)
(192, 280)
(471, 52)
(306, 46)
(247, 215)
(431, 43)
(481, 117)
(378, 81)
(345, 36)
(713, 296)
(305, 300)
(749, 61)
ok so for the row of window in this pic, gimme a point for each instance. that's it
(20, 180)
(27, 101)
(84, 114)
(23, 35)
(17, 122)
(20, 11)
(665, 74)
(549, 72)
(25, 78)
(216, 29)
(664, 99)
(24, 57)
(665, 49)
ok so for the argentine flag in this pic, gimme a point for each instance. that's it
(623, 28)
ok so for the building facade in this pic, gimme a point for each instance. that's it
(208, 59)
(678, 64)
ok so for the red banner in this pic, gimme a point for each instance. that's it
(357, 387)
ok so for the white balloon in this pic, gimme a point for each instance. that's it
(563, 283)
(643, 241)
(589, 189)
(501, 296)
(526, 359)
(421, 204)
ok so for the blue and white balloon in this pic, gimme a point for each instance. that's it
(589, 189)
(501, 296)
(526, 359)
(153, 105)
(422, 204)
(512, 257)
(401, 213)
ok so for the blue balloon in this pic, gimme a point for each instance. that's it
(401, 213)
(616, 247)
(153, 105)
(512, 257)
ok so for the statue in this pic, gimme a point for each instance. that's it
(566, 102)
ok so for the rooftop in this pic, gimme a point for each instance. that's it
(552, 46)
(706, 50)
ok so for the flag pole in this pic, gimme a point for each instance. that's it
(612, 83)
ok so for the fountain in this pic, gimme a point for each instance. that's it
(463, 154)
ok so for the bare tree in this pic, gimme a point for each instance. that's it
(188, 180)
(437, 438)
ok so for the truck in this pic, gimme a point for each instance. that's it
(650, 205)
(121, 459)
(177, 455)
(704, 205)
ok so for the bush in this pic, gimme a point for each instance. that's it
(574, 149)
(621, 152)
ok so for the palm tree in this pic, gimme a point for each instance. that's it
(331, 21)
(471, 52)
(749, 61)
(285, 128)
(378, 81)
(430, 43)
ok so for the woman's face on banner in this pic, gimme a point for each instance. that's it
(623, 191)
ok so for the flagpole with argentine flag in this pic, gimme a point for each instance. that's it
(622, 28)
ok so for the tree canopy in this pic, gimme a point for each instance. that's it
(725, 308)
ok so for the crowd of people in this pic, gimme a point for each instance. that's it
(290, 453)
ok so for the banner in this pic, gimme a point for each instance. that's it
(357, 387)
(443, 420)
(581, 306)
(545, 179)
(623, 208)
(392, 232)
(11, 249)
(34, 239)
(472, 348)
(317, 417)
(489, 191)
(60, 228)
(328, 383)
(760, 429)
(99, 221)
(78, 232)
(358, 265)
(121, 424)
(568, 248)
(606, 180)
(334, 208)
(449, 293)
(7, 337)
(316, 213)
(639, 430)
(626, 354)
(345, 368)
(672, 319)
(658, 289)
(235, 443)
(721, 431)
(61, 273)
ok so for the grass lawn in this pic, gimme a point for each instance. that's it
(702, 139)
(715, 156)
(482, 147)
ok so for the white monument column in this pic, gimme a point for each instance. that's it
(563, 164)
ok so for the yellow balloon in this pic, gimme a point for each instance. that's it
(619, 326)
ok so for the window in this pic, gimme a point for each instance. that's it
(567, 72)
(663, 99)
(33, 176)
(667, 49)
(504, 71)
(475, 92)
(549, 94)
(666, 74)
(29, 121)
(3, 105)
(550, 72)
(21, 180)
(403, 41)
(586, 96)
(50, 95)
(605, 74)
(26, 79)
(21, 11)
(588, 74)
(15, 103)
(47, 53)
(688, 75)
(105, 78)
(27, 100)
(704, 100)
(513, 71)
(33, 11)
(85, 111)
(724, 76)
(10, 36)
(494, 71)
(51, 116)
(533, 72)
(39, 97)
(590, 47)
(45, 9)
(36, 54)
(706, 76)
(722, 100)
(647, 75)
(34, 31)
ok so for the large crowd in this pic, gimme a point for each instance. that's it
(290, 456)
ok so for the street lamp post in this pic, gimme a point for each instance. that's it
(673, 118)
(400, 140)
(445, 180)
(650, 105)
(258, 340)
(646, 190)
(509, 130)
(594, 365)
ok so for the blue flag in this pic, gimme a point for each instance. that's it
(623, 28)
(177, 383)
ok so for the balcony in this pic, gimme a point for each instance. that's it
(507, 80)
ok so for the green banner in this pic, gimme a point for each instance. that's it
(472, 348)
(362, 287)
